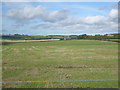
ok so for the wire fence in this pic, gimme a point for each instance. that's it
(58, 81)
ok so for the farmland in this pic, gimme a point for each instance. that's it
(60, 64)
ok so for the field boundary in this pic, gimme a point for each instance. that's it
(30, 40)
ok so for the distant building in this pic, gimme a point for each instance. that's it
(109, 35)
(67, 39)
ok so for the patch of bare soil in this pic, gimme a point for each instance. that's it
(80, 66)
(30, 40)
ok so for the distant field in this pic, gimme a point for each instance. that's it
(64, 64)
(4, 41)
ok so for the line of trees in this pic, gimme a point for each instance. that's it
(62, 37)
(99, 37)
(23, 37)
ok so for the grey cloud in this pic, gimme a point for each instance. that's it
(115, 6)
(57, 15)
(26, 13)
(103, 8)
(39, 12)
(41, 26)
(60, 19)
(99, 23)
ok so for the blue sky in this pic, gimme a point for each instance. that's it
(61, 18)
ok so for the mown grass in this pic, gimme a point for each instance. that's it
(39, 61)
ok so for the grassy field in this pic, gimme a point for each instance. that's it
(40, 61)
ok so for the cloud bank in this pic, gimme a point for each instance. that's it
(39, 12)
(62, 19)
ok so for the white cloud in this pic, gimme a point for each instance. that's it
(86, 24)
(60, 20)
(95, 19)
(57, 15)
(26, 13)
(113, 13)
(39, 12)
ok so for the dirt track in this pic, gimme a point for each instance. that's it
(30, 40)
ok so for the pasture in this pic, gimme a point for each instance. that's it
(60, 64)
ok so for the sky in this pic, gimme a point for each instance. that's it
(59, 18)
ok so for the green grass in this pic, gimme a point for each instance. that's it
(114, 39)
(38, 61)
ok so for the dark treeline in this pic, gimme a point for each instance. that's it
(62, 37)
(99, 37)
(28, 37)
(23, 37)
